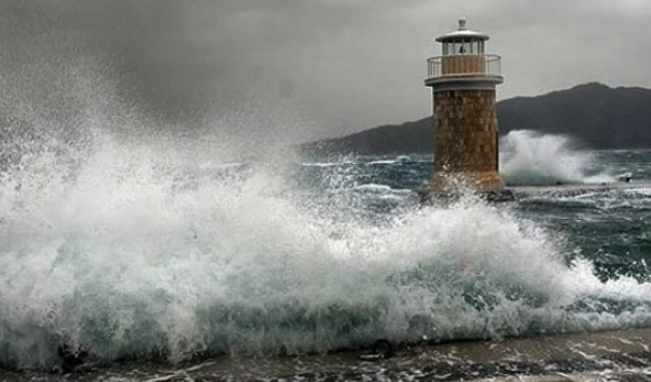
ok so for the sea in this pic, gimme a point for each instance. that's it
(136, 258)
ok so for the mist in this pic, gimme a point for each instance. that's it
(290, 70)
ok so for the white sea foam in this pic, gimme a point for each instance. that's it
(531, 158)
(380, 189)
(324, 164)
(153, 248)
(384, 161)
(132, 261)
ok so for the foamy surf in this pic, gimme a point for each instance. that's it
(534, 159)
(603, 356)
(133, 260)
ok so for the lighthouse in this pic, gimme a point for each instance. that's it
(463, 81)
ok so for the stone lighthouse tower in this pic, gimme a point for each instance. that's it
(463, 80)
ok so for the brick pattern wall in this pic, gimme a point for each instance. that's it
(466, 140)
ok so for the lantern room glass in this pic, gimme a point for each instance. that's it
(463, 47)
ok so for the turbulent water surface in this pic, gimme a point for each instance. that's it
(142, 252)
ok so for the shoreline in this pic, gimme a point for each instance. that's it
(547, 357)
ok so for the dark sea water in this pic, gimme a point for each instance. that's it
(142, 254)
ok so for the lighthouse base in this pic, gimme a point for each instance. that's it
(430, 196)
(444, 181)
(448, 186)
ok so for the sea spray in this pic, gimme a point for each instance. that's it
(141, 256)
(135, 240)
(158, 246)
(529, 158)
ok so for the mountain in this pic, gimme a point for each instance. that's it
(597, 115)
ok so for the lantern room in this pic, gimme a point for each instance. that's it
(462, 41)
(463, 55)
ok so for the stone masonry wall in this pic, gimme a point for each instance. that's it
(466, 139)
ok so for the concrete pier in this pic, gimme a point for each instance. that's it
(514, 193)
(622, 355)
(569, 190)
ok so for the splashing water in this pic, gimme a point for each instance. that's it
(142, 255)
(530, 158)
(155, 248)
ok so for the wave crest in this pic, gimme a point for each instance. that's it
(534, 159)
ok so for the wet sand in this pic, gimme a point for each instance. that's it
(612, 356)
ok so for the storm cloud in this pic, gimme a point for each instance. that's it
(331, 66)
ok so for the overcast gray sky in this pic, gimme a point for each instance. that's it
(330, 66)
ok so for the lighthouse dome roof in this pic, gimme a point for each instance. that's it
(462, 33)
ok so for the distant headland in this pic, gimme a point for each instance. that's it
(598, 116)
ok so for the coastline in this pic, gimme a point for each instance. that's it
(570, 357)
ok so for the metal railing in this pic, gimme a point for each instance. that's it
(464, 65)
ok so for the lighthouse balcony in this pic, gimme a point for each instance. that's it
(468, 68)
